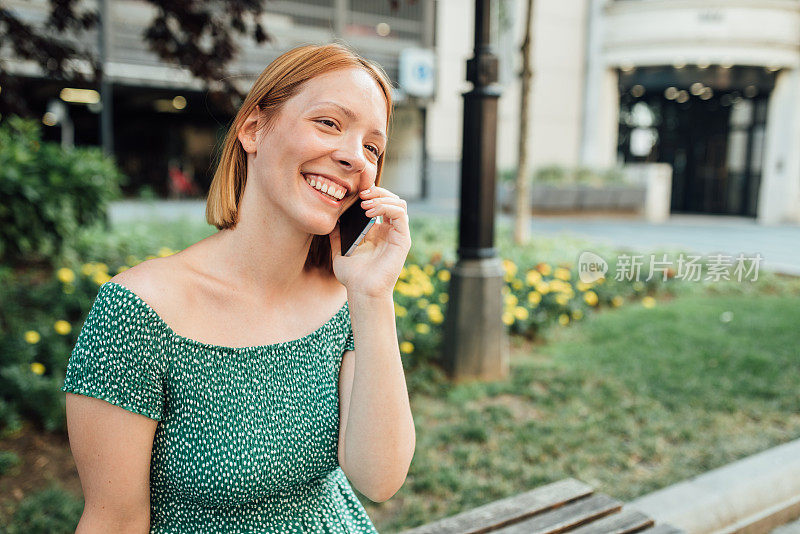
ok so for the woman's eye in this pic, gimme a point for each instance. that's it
(375, 150)
(327, 120)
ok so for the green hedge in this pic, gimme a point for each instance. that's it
(48, 192)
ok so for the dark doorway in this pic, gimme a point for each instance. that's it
(708, 124)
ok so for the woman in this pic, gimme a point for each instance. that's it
(202, 394)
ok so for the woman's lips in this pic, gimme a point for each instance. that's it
(324, 196)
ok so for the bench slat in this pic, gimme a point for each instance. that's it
(496, 514)
(565, 517)
(628, 520)
(664, 528)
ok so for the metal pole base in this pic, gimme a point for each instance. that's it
(475, 344)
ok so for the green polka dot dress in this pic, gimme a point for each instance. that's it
(247, 437)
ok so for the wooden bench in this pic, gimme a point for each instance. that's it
(564, 506)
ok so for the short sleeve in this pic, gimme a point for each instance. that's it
(349, 343)
(117, 356)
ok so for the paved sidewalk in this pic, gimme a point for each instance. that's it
(779, 246)
(788, 528)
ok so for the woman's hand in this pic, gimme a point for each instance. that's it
(374, 266)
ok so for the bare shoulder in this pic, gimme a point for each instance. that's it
(151, 279)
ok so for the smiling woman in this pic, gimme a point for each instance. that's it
(203, 394)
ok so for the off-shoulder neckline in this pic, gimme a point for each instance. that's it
(213, 347)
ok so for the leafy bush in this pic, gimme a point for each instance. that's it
(48, 192)
(8, 460)
(50, 511)
(559, 175)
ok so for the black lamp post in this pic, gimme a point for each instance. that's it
(475, 343)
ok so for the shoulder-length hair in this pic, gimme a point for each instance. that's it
(281, 80)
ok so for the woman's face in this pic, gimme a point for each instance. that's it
(335, 126)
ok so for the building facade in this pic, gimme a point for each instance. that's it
(711, 87)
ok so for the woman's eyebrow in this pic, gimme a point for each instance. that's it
(350, 115)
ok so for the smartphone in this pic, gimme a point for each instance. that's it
(353, 226)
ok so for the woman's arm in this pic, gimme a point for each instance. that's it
(112, 448)
(379, 436)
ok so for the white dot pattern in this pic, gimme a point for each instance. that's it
(247, 437)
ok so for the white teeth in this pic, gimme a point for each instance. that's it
(324, 188)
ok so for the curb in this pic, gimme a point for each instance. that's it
(752, 495)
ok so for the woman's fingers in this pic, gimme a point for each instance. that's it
(397, 215)
(378, 201)
(376, 191)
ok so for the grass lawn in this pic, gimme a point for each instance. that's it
(630, 400)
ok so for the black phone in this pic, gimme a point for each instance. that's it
(353, 226)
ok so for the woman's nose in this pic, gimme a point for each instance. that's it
(352, 160)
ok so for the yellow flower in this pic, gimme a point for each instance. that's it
(443, 297)
(617, 301)
(165, 251)
(543, 287)
(403, 273)
(562, 299)
(648, 302)
(65, 275)
(562, 273)
(399, 310)
(508, 318)
(101, 277)
(444, 275)
(436, 318)
(32, 336)
(427, 288)
(434, 309)
(37, 368)
(87, 268)
(151, 256)
(62, 327)
(402, 288)
(422, 328)
(534, 298)
(422, 303)
(582, 286)
(429, 270)
(509, 267)
(122, 268)
(101, 267)
(516, 284)
(577, 314)
(511, 300)
(544, 268)
(406, 347)
(521, 313)
(591, 298)
(563, 319)
(131, 260)
(533, 277)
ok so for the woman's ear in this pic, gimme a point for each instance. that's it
(248, 132)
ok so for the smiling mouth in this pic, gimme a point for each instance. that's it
(315, 184)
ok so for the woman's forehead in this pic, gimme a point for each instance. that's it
(352, 89)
